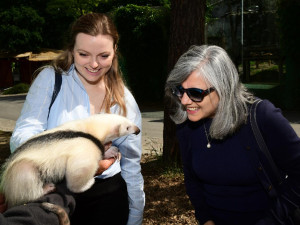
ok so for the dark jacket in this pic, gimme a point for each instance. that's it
(224, 182)
(34, 214)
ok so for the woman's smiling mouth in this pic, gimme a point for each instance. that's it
(192, 110)
(93, 70)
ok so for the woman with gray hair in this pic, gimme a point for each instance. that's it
(211, 108)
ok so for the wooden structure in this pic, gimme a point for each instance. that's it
(26, 62)
(266, 86)
(258, 54)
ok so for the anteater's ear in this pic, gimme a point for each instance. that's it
(116, 130)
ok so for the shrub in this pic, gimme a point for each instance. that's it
(17, 89)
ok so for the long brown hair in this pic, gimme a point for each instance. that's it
(94, 24)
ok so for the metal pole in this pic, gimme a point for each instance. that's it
(242, 37)
(242, 23)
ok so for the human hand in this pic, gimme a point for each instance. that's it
(111, 154)
(104, 165)
(3, 206)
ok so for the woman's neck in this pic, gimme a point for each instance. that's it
(96, 93)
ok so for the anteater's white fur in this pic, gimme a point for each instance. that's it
(28, 171)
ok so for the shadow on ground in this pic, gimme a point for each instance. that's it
(166, 199)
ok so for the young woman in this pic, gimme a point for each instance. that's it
(91, 84)
(211, 108)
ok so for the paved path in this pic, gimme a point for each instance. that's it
(152, 122)
(152, 132)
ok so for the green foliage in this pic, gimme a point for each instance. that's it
(71, 8)
(29, 25)
(109, 5)
(172, 170)
(144, 46)
(209, 18)
(60, 14)
(20, 29)
(17, 89)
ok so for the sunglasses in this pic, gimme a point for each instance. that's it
(195, 94)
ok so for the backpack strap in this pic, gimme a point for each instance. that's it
(57, 86)
(278, 211)
(260, 140)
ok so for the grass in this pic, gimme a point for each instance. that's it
(17, 89)
(165, 170)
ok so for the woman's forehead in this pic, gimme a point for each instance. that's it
(99, 43)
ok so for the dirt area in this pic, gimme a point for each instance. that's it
(166, 200)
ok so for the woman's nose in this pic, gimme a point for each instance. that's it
(94, 63)
(185, 100)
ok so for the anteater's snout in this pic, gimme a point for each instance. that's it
(136, 130)
(132, 129)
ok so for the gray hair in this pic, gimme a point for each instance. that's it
(217, 69)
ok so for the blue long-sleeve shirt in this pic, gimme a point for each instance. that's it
(222, 182)
(73, 103)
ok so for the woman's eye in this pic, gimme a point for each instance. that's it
(82, 54)
(104, 56)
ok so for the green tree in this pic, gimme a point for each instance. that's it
(71, 8)
(21, 29)
(110, 5)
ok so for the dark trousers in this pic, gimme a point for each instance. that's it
(106, 202)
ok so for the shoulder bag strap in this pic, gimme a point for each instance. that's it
(57, 86)
(260, 140)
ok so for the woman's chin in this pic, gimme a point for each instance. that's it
(194, 117)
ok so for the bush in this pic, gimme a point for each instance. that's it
(110, 5)
(22, 27)
(17, 89)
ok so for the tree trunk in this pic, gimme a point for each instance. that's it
(187, 28)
